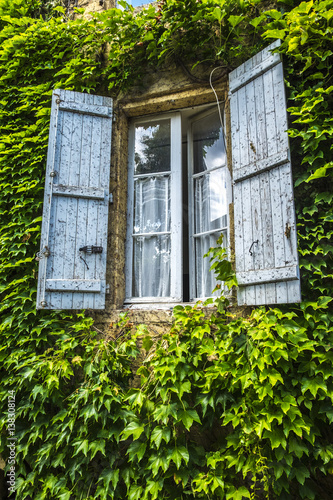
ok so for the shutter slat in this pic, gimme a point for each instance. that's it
(79, 203)
(92, 214)
(234, 117)
(243, 139)
(86, 109)
(280, 108)
(256, 167)
(84, 204)
(73, 155)
(79, 192)
(93, 286)
(263, 191)
(247, 233)
(268, 275)
(258, 258)
(261, 148)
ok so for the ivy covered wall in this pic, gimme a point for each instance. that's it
(228, 407)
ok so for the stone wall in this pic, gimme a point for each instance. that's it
(91, 5)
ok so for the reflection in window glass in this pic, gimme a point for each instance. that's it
(210, 201)
(208, 144)
(152, 147)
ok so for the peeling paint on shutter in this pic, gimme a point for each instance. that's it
(76, 203)
(265, 224)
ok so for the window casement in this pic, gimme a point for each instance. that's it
(209, 198)
(177, 207)
(178, 197)
(154, 243)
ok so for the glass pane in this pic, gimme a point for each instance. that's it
(152, 147)
(208, 144)
(152, 205)
(151, 266)
(210, 201)
(206, 281)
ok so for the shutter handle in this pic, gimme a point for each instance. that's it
(255, 242)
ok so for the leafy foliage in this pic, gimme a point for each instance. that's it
(229, 407)
(235, 407)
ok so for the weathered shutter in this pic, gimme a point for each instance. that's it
(76, 203)
(265, 226)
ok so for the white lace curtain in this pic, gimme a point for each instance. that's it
(151, 235)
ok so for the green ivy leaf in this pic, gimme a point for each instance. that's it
(276, 437)
(60, 9)
(134, 429)
(83, 446)
(96, 446)
(160, 433)
(238, 494)
(235, 20)
(188, 416)
(137, 449)
(178, 454)
(301, 473)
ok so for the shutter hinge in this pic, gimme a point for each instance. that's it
(58, 100)
(110, 198)
(44, 253)
(287, 231)
(107, 289)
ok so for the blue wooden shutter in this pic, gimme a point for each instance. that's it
(76, 201)
(265, 225)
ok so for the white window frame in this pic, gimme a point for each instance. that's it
(176, 264)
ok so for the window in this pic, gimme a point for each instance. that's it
(178, 196)
(177, 205)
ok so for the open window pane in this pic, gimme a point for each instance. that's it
(152, 205)
(151, 266)
(205, 279)
(208, 195)
(210, 201)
